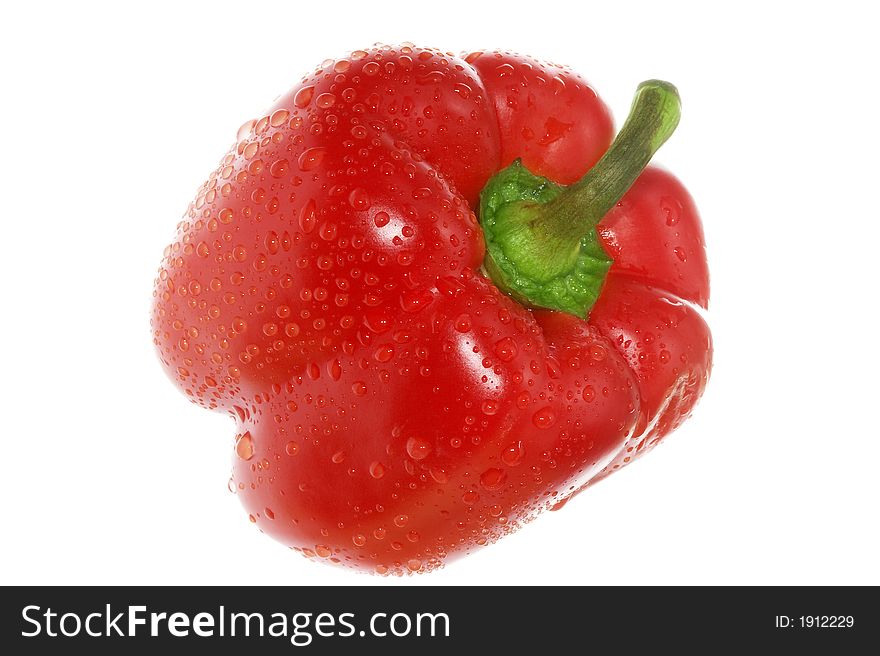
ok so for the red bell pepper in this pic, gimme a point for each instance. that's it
(409, 384)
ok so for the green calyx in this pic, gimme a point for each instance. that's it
(541, 242)
(535, 266)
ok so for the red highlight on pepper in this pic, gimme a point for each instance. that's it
(438, 296)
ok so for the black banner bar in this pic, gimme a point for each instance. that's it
(433, 620)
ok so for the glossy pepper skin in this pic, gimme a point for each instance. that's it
(394, 409)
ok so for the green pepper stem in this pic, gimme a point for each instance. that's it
(542, 246)
(655, 113)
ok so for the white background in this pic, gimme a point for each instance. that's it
(112, 116)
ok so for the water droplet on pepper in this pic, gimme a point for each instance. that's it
(244, 446)
(418, 448)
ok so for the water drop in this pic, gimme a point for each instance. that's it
(384, 353)
(462, 90)
(250, 150)
(307, 217)
(272, 244)
(415, 300)
(262, 125)
(245, 130)
(589, 394)
(418, 448)
(433, 77)
(359, 199)
(311, 158)
(303, 97)
(278, 118)
(470, 497)
(334, 369)
(493, 478)
(244, 446)
(463, 323)
(558, 85)
(377, 320)
(513, 454)
(327, 231)
(671, 209)
(544, 418)
(377, 470)
(449, 286)
(506, 349)
(279, 168)
(325, 100)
